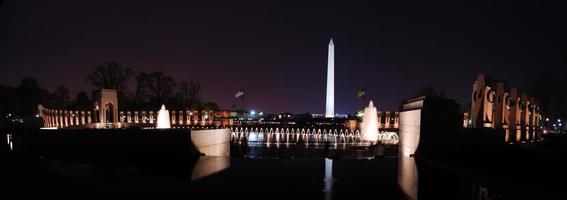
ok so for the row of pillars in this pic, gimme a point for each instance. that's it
(391, 120)
(176, 117)
(64, 118)
(492, 106)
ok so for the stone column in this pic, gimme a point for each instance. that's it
(121, 116)
(211, 118)
(61, 118)
(525, 116)
(203, 122)
(396, 119)
(77, 118)
(89, 119)
(83, 117)
(188, 117)
(195, 118)
(498, 106)
(172, 115)
(388, 120)
(136, 119)
(144, 118)
(152, 117)
(129, 116)
(180, 113)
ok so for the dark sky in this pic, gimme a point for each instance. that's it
(277, 51)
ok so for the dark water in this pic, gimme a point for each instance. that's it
(259, 172)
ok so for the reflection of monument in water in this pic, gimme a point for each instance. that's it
(163, 121)
(369, 125)
(328, 178)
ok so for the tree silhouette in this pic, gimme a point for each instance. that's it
(161, 87)
(82, 101)
(190, 93)
(143, 81)
(110, 75)
(61, 97)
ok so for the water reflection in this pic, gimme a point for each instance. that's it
(209, 165)
(328, 190)
(408, 176)
(10, 142)
(436, 182)
(104, 175)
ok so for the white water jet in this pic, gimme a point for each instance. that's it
(369, 125)
(163, 121)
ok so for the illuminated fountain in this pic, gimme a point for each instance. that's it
(369, 125)
(163, 120)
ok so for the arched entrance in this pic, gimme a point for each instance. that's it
(107, 104)
(109, 113)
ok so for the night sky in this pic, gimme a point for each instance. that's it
(277, 51)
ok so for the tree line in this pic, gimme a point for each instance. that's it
(151, 90)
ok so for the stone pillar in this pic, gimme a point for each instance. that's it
(121, 115)
(396, 119)
(525, 103)
(144, 118)
(499, 106)
(51, 122)
(188, 117)
(152, 117)
(488, 108)
(61, 118)
(129, 116)
(83, 122)
(89, 119)
(388, 120)
(513, 120)
(77, 118)
(477, 101)
(65, 118)
(180, 117)
(53, 118)
(71, 118)
(136, 117)
(195, 118)
(172, 115)
(211, 118)
(203, 122)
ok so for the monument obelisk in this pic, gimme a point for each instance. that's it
(330, 106)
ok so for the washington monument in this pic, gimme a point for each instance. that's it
(330, 107)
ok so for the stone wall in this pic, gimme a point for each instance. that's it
(212, 142)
